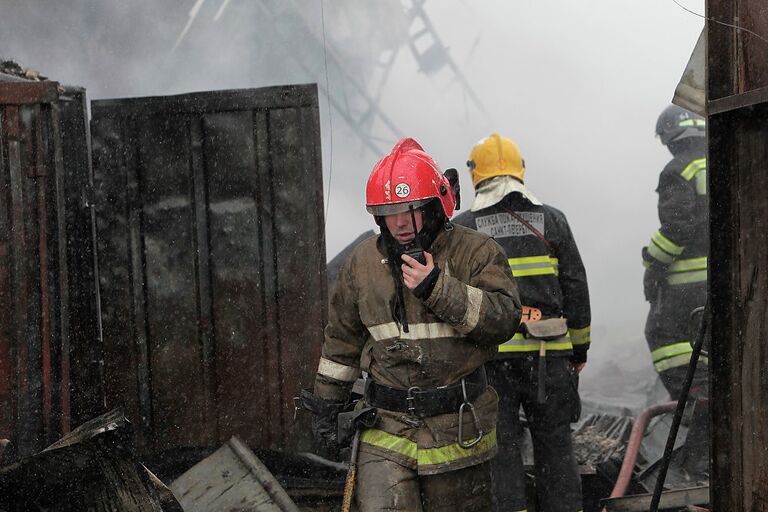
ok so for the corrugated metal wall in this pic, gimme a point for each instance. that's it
(738, 180)
(211, 247)
(35, 316)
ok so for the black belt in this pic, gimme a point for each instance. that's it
(424, 403)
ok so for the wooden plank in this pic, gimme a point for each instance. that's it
(28, 93)
(738, 159)
(110, 161)
(232, 479)
(7, 323)
(721, 50)
(174, 356)
(202, 261)
(749, 137)
(753, 52)
(267, 172)
(674, 499)
(28, 430)
(738, 101)
(85, 350)
(61, 384)
(301, 324)
(726, 353)
(237, 258)
(211, 102)
(138, 308)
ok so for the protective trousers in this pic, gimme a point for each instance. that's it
(385, 485)
(670, 332)
(558, 483)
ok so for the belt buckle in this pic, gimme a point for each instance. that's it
(410, 400)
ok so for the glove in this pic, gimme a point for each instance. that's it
(324, 419)
(651, 280)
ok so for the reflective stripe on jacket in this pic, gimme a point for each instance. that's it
(550, 278)
(679, 247)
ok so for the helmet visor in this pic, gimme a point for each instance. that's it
(395, 208)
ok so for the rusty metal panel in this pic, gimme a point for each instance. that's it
(33, 301)
(738, 177)
(212, 261)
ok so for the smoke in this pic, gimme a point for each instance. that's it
(577, 86)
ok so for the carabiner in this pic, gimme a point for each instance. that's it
(472, 442)
(460, 438)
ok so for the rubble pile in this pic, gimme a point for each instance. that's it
(13, 68)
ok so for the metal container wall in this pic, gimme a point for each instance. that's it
(34, 286)
(737, 108)
(211, 248)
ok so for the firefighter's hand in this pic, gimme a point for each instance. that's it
(577, 367)
(414, 272)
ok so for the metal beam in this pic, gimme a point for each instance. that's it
(737, 101)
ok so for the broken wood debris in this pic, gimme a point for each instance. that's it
(231, 479)
(92, 468)
(674, 499)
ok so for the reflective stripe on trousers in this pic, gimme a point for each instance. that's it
(426, 456)
(673, 355)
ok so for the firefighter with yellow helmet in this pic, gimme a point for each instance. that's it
(537, 369)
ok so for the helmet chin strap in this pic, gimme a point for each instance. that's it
(433, 221)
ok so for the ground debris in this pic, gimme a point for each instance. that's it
(92, 468)
(231, 479)
(601, 438)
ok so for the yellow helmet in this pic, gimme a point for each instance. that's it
(495, 156)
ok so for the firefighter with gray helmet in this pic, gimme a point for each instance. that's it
(675, 259)
(420, 307)
(538, 367)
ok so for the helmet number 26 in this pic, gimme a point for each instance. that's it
(402, 190)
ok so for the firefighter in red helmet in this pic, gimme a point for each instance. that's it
(420, 307)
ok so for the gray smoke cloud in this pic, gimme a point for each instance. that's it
(577, 85)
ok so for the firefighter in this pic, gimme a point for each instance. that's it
(538, 368)
(420, 308)
(675, 260)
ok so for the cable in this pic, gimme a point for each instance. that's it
(721, 22)
(330, 119)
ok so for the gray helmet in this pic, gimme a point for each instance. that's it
(677, 123)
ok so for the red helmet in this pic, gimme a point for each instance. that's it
(407, 176)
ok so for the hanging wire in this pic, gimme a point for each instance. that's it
(330, 119)
(721, 22)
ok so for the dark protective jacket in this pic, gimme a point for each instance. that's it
(473, 307)
(676, 258)
(549, 277)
